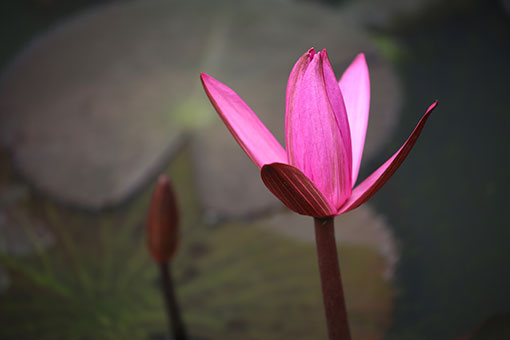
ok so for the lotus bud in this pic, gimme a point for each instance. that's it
(162, 222)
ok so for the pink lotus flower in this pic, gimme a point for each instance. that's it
(325, 128)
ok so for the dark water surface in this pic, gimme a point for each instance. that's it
(448, 203)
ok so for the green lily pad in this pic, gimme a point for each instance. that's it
(234, 280)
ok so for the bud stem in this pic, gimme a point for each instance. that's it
(331, 281)
(175, 323)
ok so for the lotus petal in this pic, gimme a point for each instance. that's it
(295, 190)
(366, 189)
(355, 87)
(317, 133)
(251, 134)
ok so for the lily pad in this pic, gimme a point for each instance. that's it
(234, 280)
(96, 105)
(361, 227)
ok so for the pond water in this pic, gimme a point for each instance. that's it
(454, 271)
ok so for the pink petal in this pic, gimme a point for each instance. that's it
(251, 134)
(296, 75)
(295, 190)
(366, 189)
(317, 131)
(355, 87)
(335, 96)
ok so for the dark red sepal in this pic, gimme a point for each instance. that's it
(296, 190)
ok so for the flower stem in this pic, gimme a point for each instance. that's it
(175, 323)
(331, 281)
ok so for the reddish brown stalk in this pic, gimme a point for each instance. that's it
(175, 323)
(331, 281)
